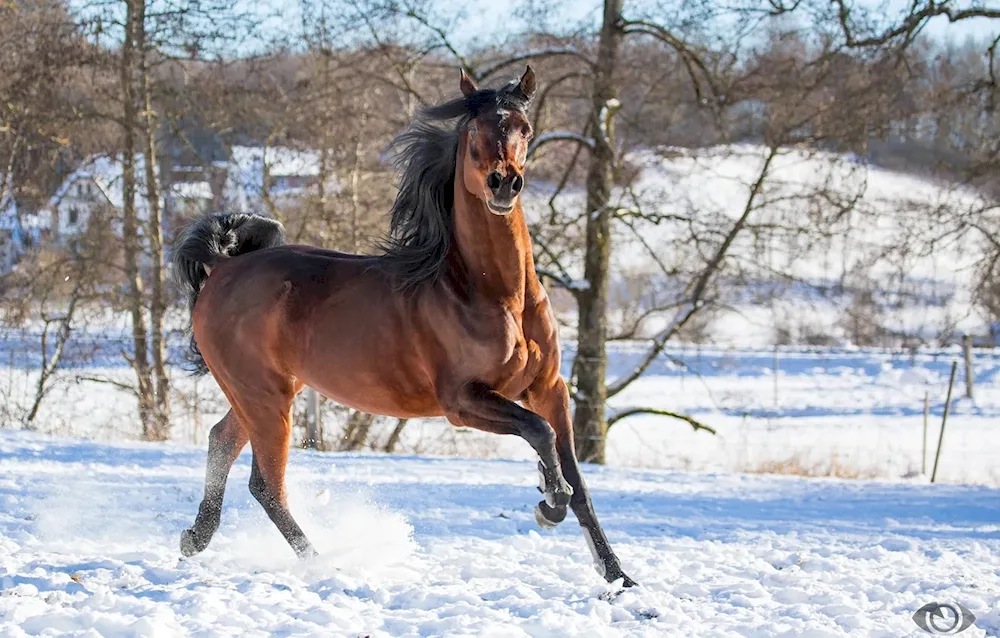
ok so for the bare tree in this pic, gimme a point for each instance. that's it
(151, 38)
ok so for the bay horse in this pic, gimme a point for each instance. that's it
(450, 321)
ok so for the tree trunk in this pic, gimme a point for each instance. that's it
(397, 433)
(160, 383)
(131, 241)
(314, 422)
(356, 430)
(590, 364)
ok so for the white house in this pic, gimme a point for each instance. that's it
(96, 185)
(235, 185)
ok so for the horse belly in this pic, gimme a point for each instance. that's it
(367, 365)
(382, 401)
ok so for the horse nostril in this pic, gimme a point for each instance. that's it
(517, 184)
(493, 180)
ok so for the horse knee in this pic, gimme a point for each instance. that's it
(257, 487)
(226, 435)
(218, 434)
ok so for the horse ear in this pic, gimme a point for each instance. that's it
(467, 85)
(526, 87)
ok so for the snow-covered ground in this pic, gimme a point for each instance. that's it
(428, 546)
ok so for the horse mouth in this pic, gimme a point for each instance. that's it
(498, 209)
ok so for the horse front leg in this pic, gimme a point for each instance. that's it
(550, 399)
(481, 407)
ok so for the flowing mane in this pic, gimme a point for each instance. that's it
(419, 239)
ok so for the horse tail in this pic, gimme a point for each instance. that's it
(210, 240)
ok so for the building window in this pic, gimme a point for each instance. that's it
(74, 214)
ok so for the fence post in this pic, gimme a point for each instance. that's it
(923, 455)
(944, 420)
(969, 374)
(314, 428)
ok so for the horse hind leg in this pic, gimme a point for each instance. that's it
(225, 442)
(267, 481)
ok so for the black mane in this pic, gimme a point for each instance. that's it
(416, 248)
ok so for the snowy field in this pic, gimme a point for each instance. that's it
(426, 546)
(823, 412)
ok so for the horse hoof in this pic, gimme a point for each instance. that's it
(189, 544)
(559, 498)
(548, 517)
(556, 490)
(622, 576)
(305, 551)
(563, 496)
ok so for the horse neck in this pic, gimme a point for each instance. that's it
(494, 251)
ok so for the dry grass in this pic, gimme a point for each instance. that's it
(797, 466)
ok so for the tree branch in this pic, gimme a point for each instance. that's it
(696, 301)
(532, 55)
(556, 136)
(121, 386)
(442, 38)
(690, 59)
(543, 96)
(627, 412)
(569, 285)
(915, 20)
